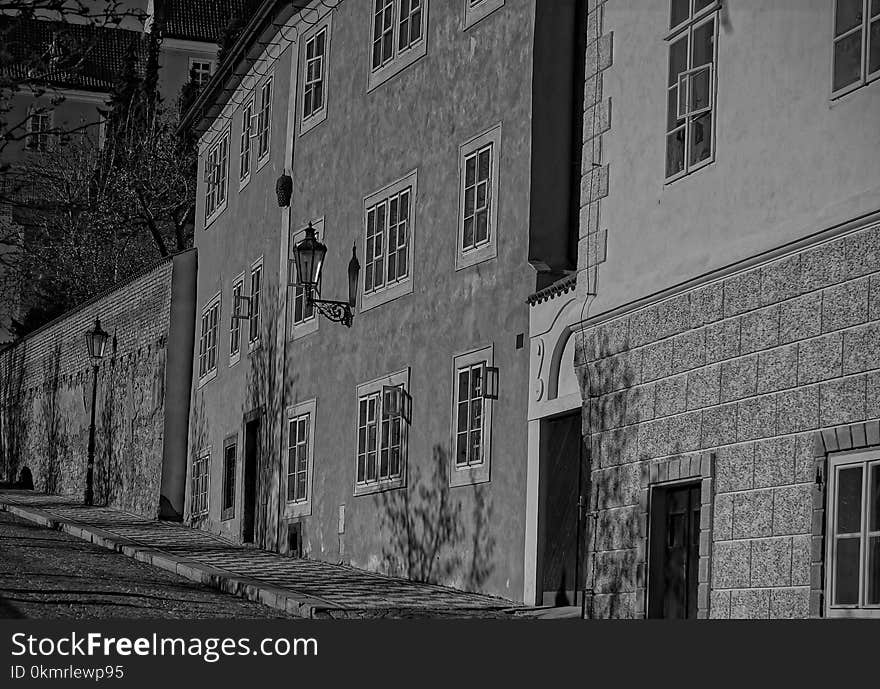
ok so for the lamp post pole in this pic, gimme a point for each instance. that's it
(90, 465)
(96, 340)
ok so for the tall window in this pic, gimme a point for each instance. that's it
(264, 121)
(471, 417)
(216, 174)
(398, 36)
(244, 153)
(856, 44)
(200, 72)
(386, 242)
(208, 339)
(256, 291)
(235, 321)
(199, 485)
(691, 85)
(229, 461)
(478, 168)
(853, 547)
(382, 435)
(298, 458)
(313, 84)
(303, 310)
(38, 126)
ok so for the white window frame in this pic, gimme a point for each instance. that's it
(476, 10)
(487, 249)
(686, 28)
(309, 408)
(216, 171)
(837, 460)
(246, 143)
(400, 59)
(38, 140)
(466, 475)
(235, 324)
(317, 115)
(264, 121)
(256, 302)
(865, 77)
(207, 340)
(308, 325)
(200, 485)
(402, 285)
(201, 61)
(374, 389)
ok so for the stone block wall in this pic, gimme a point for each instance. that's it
(749, 368)
(45, 397)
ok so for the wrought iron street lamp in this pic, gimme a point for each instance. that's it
(96, 342)
(307, 266)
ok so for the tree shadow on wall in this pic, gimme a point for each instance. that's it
(53, 450)
(427, 539)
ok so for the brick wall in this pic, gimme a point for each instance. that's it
(45, 397)
(748, 369)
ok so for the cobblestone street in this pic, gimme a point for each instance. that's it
(305, 588)
(47, 574)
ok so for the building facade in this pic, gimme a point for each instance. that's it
(724, 323)
(435, 139)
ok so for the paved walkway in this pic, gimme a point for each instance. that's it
(306, 588)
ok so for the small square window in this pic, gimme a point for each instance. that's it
(200, 72)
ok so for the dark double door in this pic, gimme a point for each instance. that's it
(675, 552)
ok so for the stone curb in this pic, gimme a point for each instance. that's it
(285, 600)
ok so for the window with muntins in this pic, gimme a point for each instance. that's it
(469, 416)
(313, 87)
(200, 71)
(264, 121)
(199, 485)
(398, 36)
(856, 44)
(298, 458)
(216, 173)
(244, 153)
(256, 291)
(235, 323)
(853, 534)
(38, 126)
(690, 122)
(303, 310)
(387, 233)
(208, 339)
(382, 435)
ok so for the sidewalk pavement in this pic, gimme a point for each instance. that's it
(306, 588)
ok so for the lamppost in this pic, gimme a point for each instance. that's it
(308, 262)
(96, 340)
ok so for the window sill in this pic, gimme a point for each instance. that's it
(254, 346)
(853, 613)
(227, 514)
(309, 123)
(475, 256)
(398, 64)
(691, 170)
(242, 183)
(838, 95)
(216, 214)
(298, 509)
(207, 378)
(386, 294)
(469, 476)
(261, 162)
(472, 15)
(307, 327)
(379, 487)
(234, 359)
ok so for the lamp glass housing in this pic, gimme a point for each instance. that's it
(308, 256)
(96, 341)
(490, 382)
